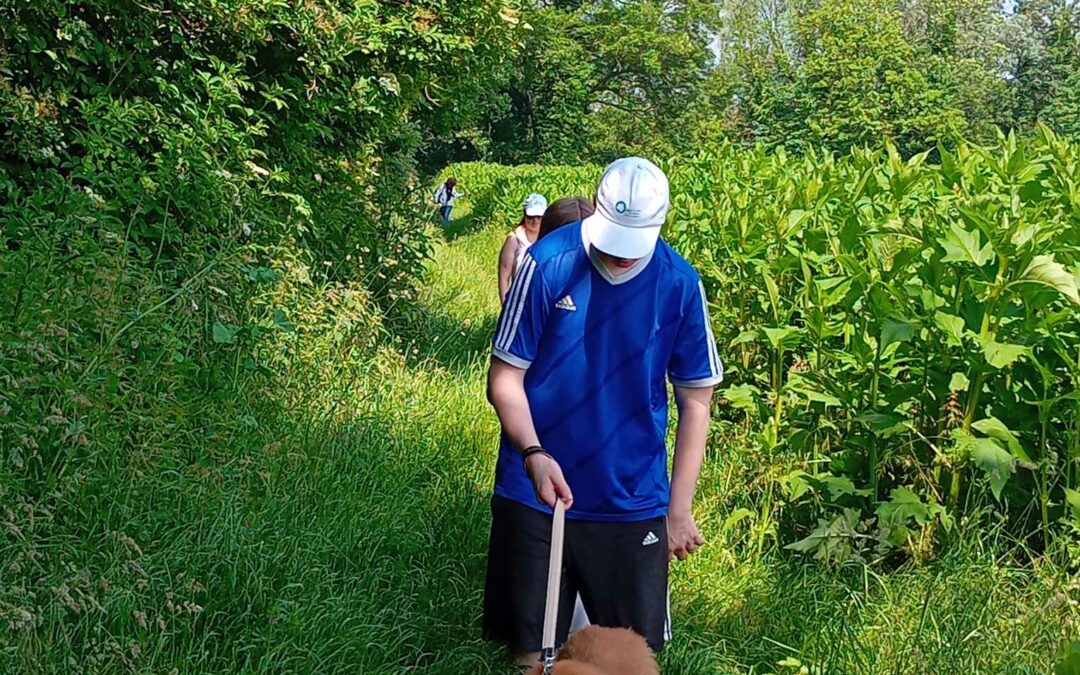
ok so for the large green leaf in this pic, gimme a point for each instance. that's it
(995, 428)
(795, 219)
(1001, 355)
(745, 337)
(1024, 233)
(897, 330)
(1072, 497)
(1068, 659)
(837, 486)
(904, 504)
(963, 246)
(1043, 270)
(883, 424)
(774, 294)
(795, 484)
(994, 460)
(832, 290)
(742, 396)
(959, 382)
(831, 541)
(737, 516)
(281, 320)
(810, 391)
(785, 337)
(952, 326)
(225, 335)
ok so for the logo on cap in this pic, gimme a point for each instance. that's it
(622, 209)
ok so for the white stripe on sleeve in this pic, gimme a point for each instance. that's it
(515, 304)
(714, 357)
(510, 300)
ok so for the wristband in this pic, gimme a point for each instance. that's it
(532, 450)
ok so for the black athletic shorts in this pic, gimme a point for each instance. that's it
(620, 570)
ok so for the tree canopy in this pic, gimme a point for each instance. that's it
(600, 78)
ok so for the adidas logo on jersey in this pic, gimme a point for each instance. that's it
(566, 303)
(650, 539)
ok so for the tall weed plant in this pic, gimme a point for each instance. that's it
(901, 335)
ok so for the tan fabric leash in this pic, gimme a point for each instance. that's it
(551, 609)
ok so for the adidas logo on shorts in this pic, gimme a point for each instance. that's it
(650, 539)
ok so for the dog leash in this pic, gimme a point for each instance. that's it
(551, 609)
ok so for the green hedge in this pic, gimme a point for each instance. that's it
(496, 193)
(206, 210)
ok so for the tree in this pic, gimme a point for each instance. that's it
(1045, 59)
(866, 81)
(1063, 112)
(544, 114)
(603, 78)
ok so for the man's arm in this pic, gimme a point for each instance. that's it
(691, 434)
(506, 392)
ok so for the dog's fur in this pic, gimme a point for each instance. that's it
(603, 651)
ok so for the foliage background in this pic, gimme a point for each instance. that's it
(598, 79)
(213, 232)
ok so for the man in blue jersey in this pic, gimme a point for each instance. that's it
(600, 316)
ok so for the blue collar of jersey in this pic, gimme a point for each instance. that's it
(612, 279)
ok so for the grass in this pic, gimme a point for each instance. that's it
(355, 543)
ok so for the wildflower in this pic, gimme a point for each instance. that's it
(954, 414)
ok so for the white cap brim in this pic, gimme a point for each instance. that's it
(618, 240)
(535, 211)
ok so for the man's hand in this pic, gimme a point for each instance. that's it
(547, 479)
(683, 535)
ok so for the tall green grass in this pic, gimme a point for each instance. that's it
(352, 540)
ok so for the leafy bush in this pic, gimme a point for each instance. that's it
(206, 211)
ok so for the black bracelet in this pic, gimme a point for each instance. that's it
(532, 450)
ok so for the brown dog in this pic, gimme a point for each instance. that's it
(603, 651)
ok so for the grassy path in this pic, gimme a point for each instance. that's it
(355, 543)
(736, 608)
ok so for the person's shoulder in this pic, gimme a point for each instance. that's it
(674, 265)
(509, 246)
(555, 245)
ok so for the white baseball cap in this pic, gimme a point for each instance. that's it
(535, 205)
(631, 207)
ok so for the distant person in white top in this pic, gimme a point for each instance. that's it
(519, 240)
(445, 195)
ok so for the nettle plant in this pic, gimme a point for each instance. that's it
(902, 326)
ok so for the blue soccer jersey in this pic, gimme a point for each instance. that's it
(598, 350)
